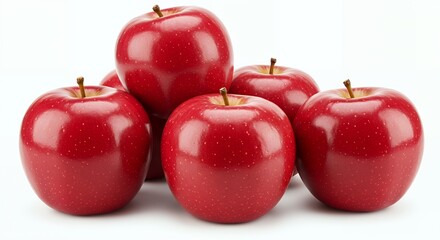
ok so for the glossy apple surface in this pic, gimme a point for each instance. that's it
(112, 80)
(188, 48)
(155, 170)
(85, 156)
(287, 87)
(228, 164)
(358, 154)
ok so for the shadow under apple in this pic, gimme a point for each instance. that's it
(313, 205)
(154, 196)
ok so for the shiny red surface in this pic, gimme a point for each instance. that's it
(228, 164)
(188, 48)
(112, 80)
(155, 170)
(358, 154)
(288, 88)
(85, 156)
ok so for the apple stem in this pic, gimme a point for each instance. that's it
(272, 65)
(347, 84)
(224, 94)
(80, 81)
(156, 9)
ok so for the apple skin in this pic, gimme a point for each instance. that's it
(228, 164)
(288, 88)
(155, 170)
(188, 48)
(358, 154)
(112, 80)
(85, 156)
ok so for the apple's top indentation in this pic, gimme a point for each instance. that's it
(233, 101)
(351, 93)
(357, 93)
(226, 100)
(163, 13)
(271, 69)
(83, 92)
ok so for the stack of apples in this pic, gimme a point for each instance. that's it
(227, 157)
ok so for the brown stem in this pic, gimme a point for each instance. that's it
(156, 9)
(80, 81)
(272, 65)
(347, 84)
(224, 94)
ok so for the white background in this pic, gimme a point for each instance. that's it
(46, 44)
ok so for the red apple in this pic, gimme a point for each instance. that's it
(358, 153)
(160, 53)
(155, 170)
(287, 87)
(85, 150)
(228, 164)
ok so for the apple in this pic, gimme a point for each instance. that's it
(287, 87)
(358, 149)
(228, 159)
(155, 170)
(85, 150)
(160, 53)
